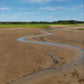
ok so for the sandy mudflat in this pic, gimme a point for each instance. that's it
(18, 59)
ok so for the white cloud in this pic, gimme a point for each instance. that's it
(53, 8)
(41, 1)
(80, 6)
(57, 8)
(35, 1)
(48, 8)
(5, 8)
(61, 0)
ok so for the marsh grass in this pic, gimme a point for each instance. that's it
(24, 26)
(5, 26)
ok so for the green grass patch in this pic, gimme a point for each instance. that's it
(5, 26)
(24, 26)
(81, 29)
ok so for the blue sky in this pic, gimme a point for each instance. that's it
(41, 10)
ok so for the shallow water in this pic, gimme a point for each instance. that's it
(45, 42)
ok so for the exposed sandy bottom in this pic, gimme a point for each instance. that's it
(19, 58)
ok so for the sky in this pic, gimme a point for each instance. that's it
(41, 10)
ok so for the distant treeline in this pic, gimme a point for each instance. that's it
(43, 22)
